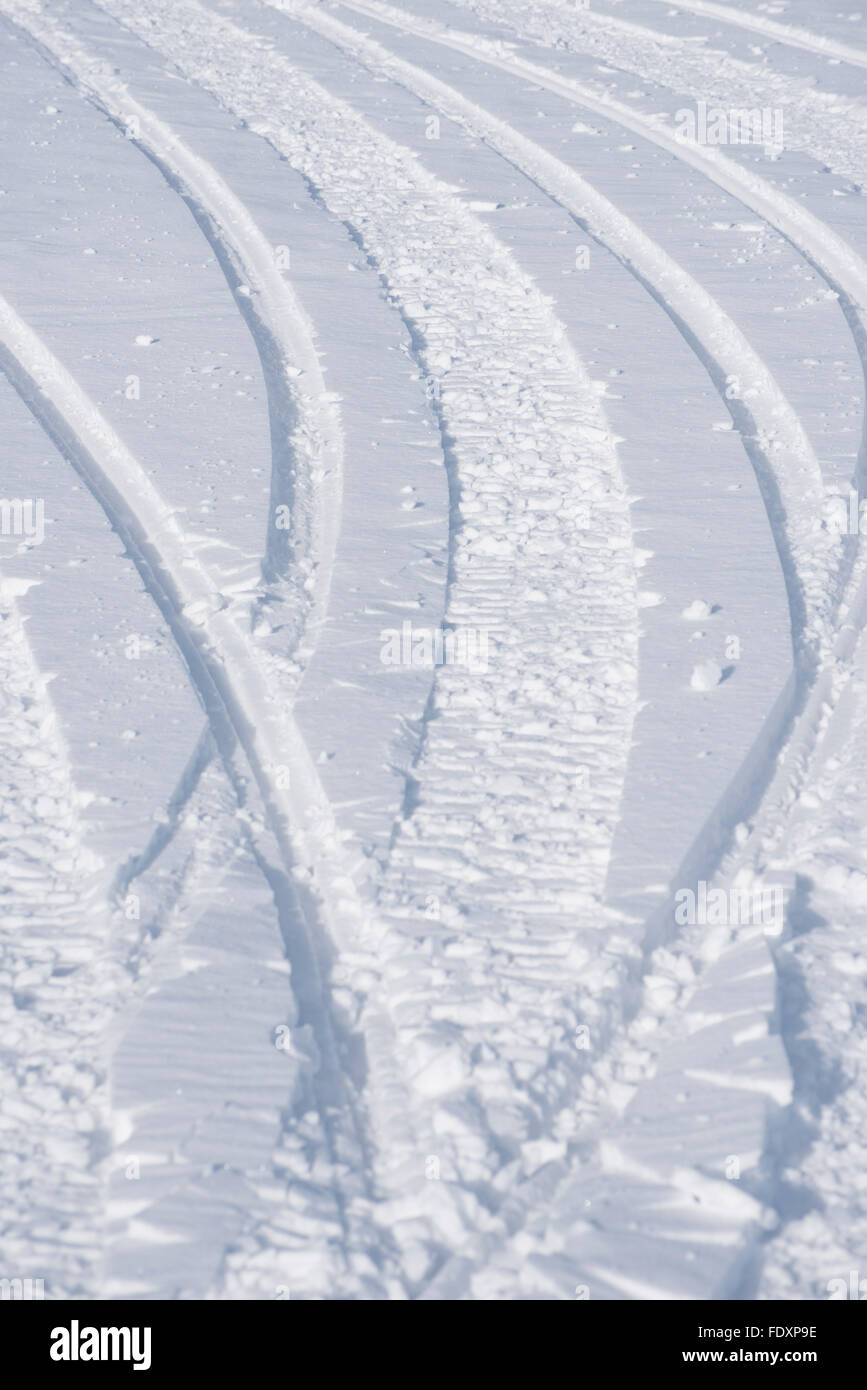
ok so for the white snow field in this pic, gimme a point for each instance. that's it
(433, 715)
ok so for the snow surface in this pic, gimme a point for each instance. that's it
(434, 689)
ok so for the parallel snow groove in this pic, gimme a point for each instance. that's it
(56, 990)
(312, 442)
(790, 34)
(507, 824)
(773, 437)
(241, 690)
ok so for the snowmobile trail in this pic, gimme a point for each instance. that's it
(448, 101)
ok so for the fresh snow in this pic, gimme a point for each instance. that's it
(432, 610)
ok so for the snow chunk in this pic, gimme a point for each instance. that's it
(697, 611)
(706, 676)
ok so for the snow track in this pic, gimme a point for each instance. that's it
(795, 1256)
(315, 446)
(505, 1070)
(842, 268)
(834, 257)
